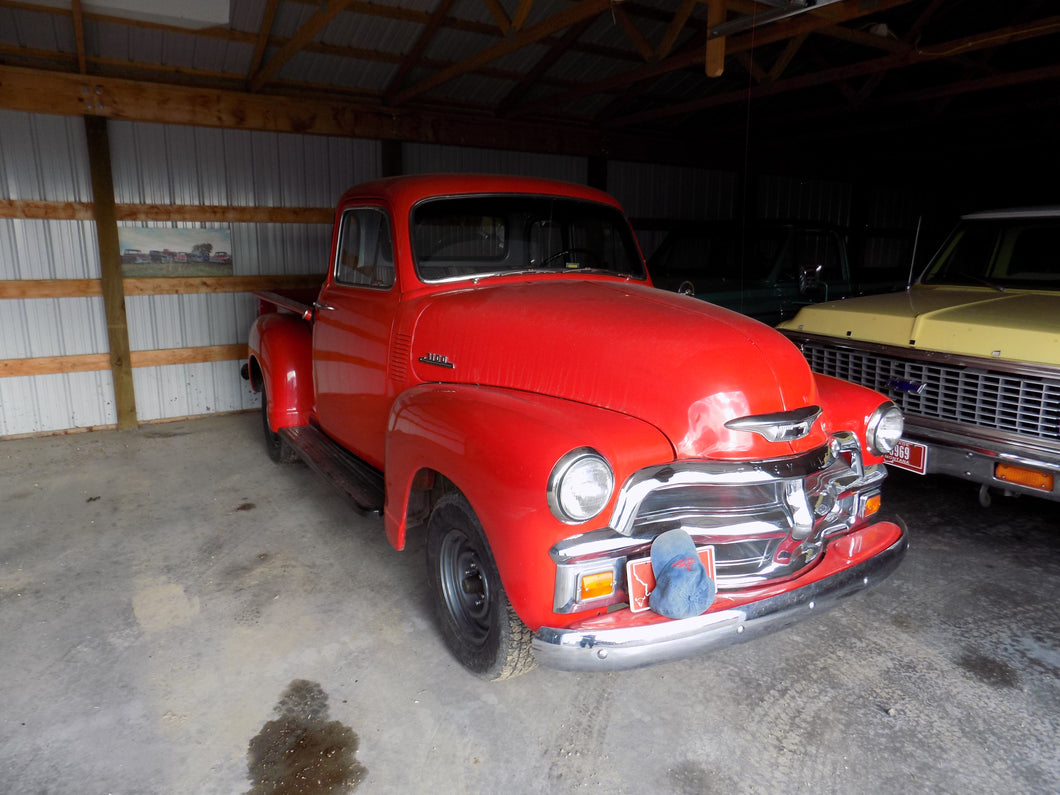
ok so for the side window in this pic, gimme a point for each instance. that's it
(366, 254)
(815, 250)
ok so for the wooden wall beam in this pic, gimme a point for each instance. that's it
(64, 94)
(194, 285)
(206, 213)
(89, 362)
(110, 267)
(90, 288)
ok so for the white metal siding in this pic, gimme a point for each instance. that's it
(160, 164)
(804, 199)
(46, 158)
(672, 192)
(42, 403)
(435, 158)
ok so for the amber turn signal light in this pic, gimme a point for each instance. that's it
(871, 505)
(1031, 478)
(593, 586)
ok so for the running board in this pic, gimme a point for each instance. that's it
(362, 483)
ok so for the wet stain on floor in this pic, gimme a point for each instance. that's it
(988, 670)
(303, 752)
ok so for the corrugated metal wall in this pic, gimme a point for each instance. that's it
(437, 159)
(158, 164)
(650, 192)
(46, 158)
(795, 198)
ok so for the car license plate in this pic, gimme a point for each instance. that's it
(909, 455)
(640, 579)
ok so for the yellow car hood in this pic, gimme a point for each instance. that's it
(1016, 325)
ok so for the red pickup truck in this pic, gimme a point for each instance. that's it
(488, 363)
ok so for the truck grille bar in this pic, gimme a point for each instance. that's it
(1024, 404)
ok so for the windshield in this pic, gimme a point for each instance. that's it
(487, 235)
(713, 257)
(1000, 253)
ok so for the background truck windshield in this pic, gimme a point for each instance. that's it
(1001, 252)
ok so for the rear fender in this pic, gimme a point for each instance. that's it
(499, 447)
(281, 351)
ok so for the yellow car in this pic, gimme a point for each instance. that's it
(970, 352)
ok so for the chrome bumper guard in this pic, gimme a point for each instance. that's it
(633, 647)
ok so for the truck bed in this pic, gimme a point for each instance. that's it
(297, 300)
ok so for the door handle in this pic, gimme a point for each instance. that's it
(318, 305)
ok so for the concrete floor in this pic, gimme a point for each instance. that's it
(174, 606)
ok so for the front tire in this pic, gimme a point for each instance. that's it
(275, 445)
(477, 621)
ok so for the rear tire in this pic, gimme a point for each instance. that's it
(275, 445)
(477, 621)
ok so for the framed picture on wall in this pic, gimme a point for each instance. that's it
(175, 252)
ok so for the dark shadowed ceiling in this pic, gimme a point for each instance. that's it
(852, 84)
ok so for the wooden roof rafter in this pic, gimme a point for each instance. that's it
(500, 16)
(693, 52)
(305, 34)
(79, 35)
(916, 55)
(415, 55)
(537, 73)
(560, 21)
(263, 38)
(907, 41)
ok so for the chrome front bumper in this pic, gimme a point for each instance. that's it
(619, 649)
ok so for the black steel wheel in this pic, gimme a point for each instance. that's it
(477, 620)
(278, 449)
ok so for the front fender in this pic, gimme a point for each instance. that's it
(499, 447)
(281, 349)
(848, 407)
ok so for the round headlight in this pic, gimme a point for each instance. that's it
(580, 486)
(885, 428)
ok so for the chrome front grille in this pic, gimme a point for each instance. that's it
(1023, 404)
(766, 520)
(745, 524)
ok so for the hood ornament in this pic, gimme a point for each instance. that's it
(784, 426)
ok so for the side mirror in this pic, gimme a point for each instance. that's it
(809, 277)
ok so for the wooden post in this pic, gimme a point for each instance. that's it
(392, 157)
(715, 57)
(597, 175)
(110, 270)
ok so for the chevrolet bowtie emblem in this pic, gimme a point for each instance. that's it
(912, 387)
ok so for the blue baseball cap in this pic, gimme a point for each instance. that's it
(682, 587)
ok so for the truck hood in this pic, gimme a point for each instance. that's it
(971, 321)
(678, 363)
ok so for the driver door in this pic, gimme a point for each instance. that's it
(351, 335)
